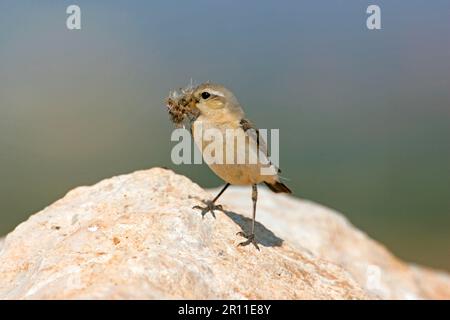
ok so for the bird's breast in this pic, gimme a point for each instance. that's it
(228, 152)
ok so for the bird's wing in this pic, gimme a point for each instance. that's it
(253, 133)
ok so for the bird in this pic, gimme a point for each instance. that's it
(217, 108)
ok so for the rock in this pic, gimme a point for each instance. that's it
(326, 234)
(136, 236)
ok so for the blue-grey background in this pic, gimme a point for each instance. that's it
(364, 116)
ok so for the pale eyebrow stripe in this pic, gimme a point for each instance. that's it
(217, 93)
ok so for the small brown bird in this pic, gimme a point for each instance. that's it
(216, 108)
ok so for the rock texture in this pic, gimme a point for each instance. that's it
(137, 236)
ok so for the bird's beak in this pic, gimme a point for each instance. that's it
(193, 103)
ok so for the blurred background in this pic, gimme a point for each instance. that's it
(364, 116)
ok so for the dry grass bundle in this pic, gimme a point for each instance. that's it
(179, 105)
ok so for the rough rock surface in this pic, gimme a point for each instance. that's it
(137, 236)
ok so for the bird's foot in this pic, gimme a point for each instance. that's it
(250, 239)
(209, 207)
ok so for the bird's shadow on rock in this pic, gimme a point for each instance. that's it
(263, 236)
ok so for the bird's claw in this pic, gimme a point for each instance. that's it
(209, 207)
(250, 239)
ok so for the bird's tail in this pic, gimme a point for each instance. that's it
(278, 187)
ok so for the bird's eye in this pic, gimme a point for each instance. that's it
(205, 95)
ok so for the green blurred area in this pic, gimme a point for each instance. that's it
(364, 116)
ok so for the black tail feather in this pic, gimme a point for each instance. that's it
(278, 187)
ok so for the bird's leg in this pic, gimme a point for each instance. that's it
(210, 205)
(251, 236)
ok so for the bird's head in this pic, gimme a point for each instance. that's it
(214, 100)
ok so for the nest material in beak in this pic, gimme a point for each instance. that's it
(181, 106)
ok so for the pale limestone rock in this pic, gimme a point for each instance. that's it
(308, 226)
(137, 236)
